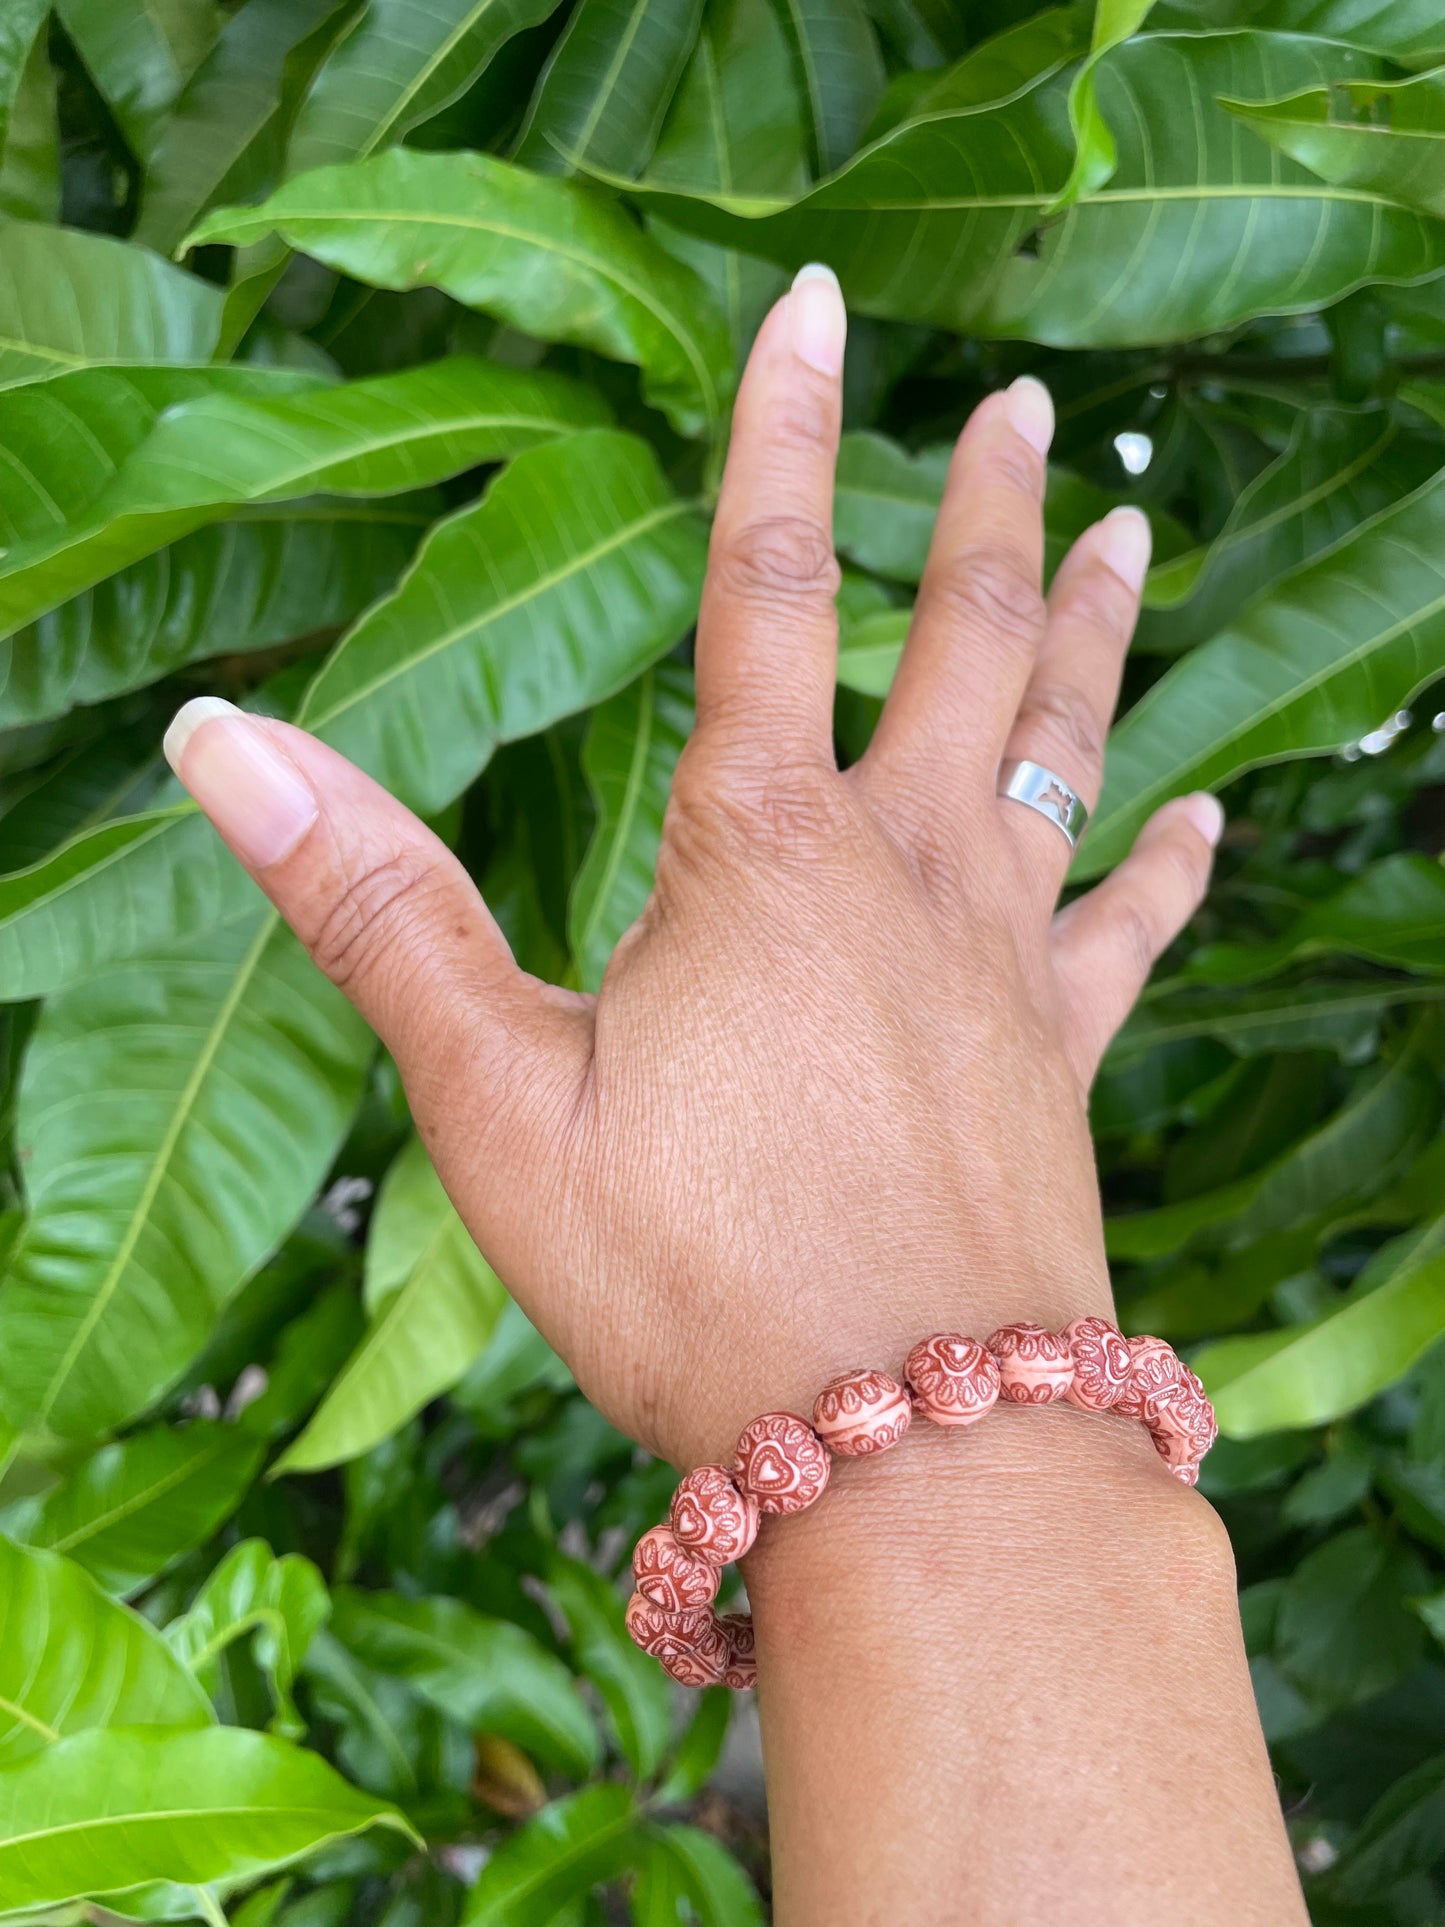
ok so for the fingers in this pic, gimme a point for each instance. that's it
(980, 614)
(767, 636)
(1106, 943)
(385, 910)
(1064, 716)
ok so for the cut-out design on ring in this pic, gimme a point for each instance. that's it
(1058, 799)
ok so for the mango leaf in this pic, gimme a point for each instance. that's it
(1315, 663)
(160, 877)
(699, 1749)
(176, 1116)
(838, 74)
(1398, 1837)
(255, 580)
(383, 1727)
(227, 133)
(30, 141)
(1201, 225)
(20, 35)
(1410, 30)
(432, 1301)
(1341, 466)
(140, 53)
(496, 627)
(1310, 1374)
(488, 1673)
(399, 63)
(1391, 913)
(110, 1810)
(607, 85)
(1344, 1631)
(281, 1604)
(560, 1853)
(633, 743)
(638, 1696)
(70, 1659)
(367, 438)
(1348, 1158)
(547, 256)
(1096, 157)
(684, 1868)
(69, 298)
(1379, 136)
(1343, 1017)
(133, 1508)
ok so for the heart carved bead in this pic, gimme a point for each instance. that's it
(781, 1463)
(740, 1669)
(954, 1379)
(711, 1518)
(861, 1412)
(1152, 1366)
(669, 1576)
(1100, 1352)
(689, 1645)
(1035, 1366)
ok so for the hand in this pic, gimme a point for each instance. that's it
(832, 1094)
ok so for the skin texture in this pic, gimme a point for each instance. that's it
(832, 1098)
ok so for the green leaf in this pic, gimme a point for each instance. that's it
(1398, 1837)
(838, 73)
(699, 1749)
(133, 1508)
(607, 85)
(1349, 1157)
(1312, 665)
(248, 583)
(685, 1868)
(547, 256)
(487, 1673)
(227, 133)
(560, 1853)
(140, 53)
(68, 299)
(432, 1301)
(1310, 1374)
(1096, 156)
(214, 450)
(105, 1811)
(70, 1659)
(1410, 30)
(1344, 1631)
(401, 62)
(633, 743)
(280, 1603)
(24, 65)
(176, 1116)
(495, 629)
(637, 1695)
(1383, 137)
(30, 144)
(1343, 1017)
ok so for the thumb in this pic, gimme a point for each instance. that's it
(394, 920)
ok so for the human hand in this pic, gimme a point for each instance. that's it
(832, 1093)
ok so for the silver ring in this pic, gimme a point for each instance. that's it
(1050, 795)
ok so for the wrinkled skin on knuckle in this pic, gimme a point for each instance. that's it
(373, 918)
(778, 562)
(986, 592)
(1067, 728)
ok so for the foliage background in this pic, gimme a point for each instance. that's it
(369, 361)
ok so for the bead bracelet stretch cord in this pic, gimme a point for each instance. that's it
(782, 1462)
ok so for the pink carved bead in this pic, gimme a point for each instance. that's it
(689, 1645)
(955, 1381)
(1100, 1352)
(781, 1462)
(861, 1412)
(711, 1518)
(671, 1577)
(1034, 1365)
(1186, 1474)
(1152, 1365)
(740, 1669)
(1181, 1419)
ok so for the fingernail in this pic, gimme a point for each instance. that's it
(817, 319)
(1125, 541)
(1206, 813)
(1031, 410)
(252, 792)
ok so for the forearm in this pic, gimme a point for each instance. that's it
(1002, 1680)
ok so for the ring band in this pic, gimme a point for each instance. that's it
(1050, 795)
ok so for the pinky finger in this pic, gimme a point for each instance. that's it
(1106, 943)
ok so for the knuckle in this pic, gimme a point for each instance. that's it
(1101, 601)
(1017, 467)
(987, 590)
(1062, 720)
(780, 559)
(371, 916)
(1135, 936)
(737, 815)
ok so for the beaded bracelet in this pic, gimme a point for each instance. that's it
(781, 1463)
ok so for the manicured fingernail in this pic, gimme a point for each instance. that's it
(1206, 813)
(1125, 540)
(1031, 410)
(252, 792)
(817, 319)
